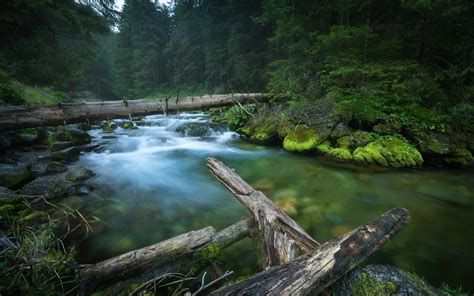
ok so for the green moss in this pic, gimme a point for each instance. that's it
(362, 138)
(108, 125)
(211, 252)
(342, 154)
(345, 142)
(459, 156)
(302, 139)
(126, 125)
(368, 286)
(421, 284)
(324, 147)
(389, 151)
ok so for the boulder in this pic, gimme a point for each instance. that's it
(302, 139)
(79, 173)
(60, 136)
(443, 149)
(381, 280)
(200, 129)
(15, 176)
(56, 146)
(4, 191)
(50, 187)
(55, 167)
(5, 140)
(78, 136)
(340, 130)
(389, 151)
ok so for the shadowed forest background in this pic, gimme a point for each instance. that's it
(412, 52)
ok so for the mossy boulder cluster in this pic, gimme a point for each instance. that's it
(375, 143)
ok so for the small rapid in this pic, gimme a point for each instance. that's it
(152, 183)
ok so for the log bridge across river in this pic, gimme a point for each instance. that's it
(295, 263)
(32, 116)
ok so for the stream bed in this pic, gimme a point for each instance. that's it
(155, 185)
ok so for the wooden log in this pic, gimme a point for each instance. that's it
(282, 236)
(312, 272)
(23, 117)
(177, 254)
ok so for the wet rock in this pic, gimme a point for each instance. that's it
(442, 149)
(56, 146)
(55, 168)
(29, 137)
(80, 189)
(79, 173)
(389, 152)
(70, 154)
(200, 129)
(15, 176)
(78, 136)
(4, 191)
(60, 136)
(340, 130)
(5, 140)
(84, 126)
(381, 280)
(50, 187)
(108, 125)
(302, 139)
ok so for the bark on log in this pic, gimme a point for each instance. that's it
(176, 254)
(311, 273)
(282, 236)
(23, 117)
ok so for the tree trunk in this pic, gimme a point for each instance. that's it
(178, 254)
(282, 236)
(23, 117)
(311, 273)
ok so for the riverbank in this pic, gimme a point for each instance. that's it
(332, 129)
(153, 174)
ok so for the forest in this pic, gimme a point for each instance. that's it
(334, 112)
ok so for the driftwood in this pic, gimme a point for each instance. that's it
(311, 273)
(23, 117)
(177, 254)
(282, 236)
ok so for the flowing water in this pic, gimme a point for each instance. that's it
(155, 185)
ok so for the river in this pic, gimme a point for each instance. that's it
(155, 185)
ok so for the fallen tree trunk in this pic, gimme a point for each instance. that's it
(177, 254)
(23, 117)
(282, 236)
(311, 273)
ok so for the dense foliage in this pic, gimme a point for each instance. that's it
(407, 62)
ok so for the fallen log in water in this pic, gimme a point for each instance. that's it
(312, 272)
(23, 117)
(282, 236)
(177, 254)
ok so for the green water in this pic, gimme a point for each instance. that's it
(155, 185)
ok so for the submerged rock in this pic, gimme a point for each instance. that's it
(79, 173)
(15, 176)
(381, 280)
(302, 139)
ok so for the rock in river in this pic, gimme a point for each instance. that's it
(15, 176)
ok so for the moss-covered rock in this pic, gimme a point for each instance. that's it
(302, 139)
(340, 130)
(362, 138)
(381, 280)
(341, 154)
(324, 147)
(108, 125)
(389, 151)
(387, 128)
(459, 157)
(200, 129)
(261, 129)
(78, 136)
(55, 167)
(79, 173)
(15, 176)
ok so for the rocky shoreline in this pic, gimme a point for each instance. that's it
(323, 129)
